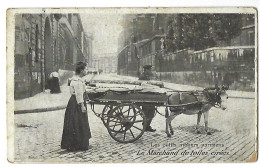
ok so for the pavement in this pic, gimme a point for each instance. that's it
(45, 101)
(233, 139)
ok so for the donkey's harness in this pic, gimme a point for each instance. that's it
(212, 98)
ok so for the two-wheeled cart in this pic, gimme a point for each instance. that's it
(122, 113)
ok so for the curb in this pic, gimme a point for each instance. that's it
(38, 110)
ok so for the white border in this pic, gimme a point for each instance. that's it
(96, 3)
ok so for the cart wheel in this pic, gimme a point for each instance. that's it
(105, 112)
(126, 123)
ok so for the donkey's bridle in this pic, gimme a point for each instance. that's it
(215, 99)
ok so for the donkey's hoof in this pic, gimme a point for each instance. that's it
(209, 133)
(172, 133)
(168, 135)
(198, 132)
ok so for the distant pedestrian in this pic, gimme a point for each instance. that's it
(147, 74)
(54, 83)
(76, 130)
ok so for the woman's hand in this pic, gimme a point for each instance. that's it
(83, 108)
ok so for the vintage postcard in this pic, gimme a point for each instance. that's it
(132, 85)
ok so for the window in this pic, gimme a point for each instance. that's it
(36, 44)
(251, 35)
(70, 18)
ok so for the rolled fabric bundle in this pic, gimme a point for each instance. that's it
(89, 90)
(102, 90)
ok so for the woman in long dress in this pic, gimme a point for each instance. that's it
(54, 83)
(76, 130)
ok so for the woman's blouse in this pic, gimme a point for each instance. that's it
(77, 88)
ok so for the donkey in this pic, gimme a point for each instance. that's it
(191, 103)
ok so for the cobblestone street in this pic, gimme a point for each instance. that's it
(38, 136)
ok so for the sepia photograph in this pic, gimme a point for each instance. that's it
(132, 85)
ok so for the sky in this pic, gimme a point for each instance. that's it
(105, 29)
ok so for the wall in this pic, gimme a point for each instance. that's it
(232, 66)
(43, 43)
(242, 81)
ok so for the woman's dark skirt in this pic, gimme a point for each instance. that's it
(76, 130)
(54, 85)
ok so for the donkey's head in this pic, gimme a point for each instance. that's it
(218, 96)
(222, 97)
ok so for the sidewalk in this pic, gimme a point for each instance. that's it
(45, 101)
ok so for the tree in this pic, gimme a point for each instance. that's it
(201, 31)
(226, 26)
(197, 33)
(170, 36)
(191, 31)
(179, 32)
(189, 37)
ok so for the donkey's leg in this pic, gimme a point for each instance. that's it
(206, 119)
(168, 123)
(167, 115)
(167, 126)
(198, 123)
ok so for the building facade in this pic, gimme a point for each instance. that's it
(45, 43)
(189, 66)
(106, 63)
